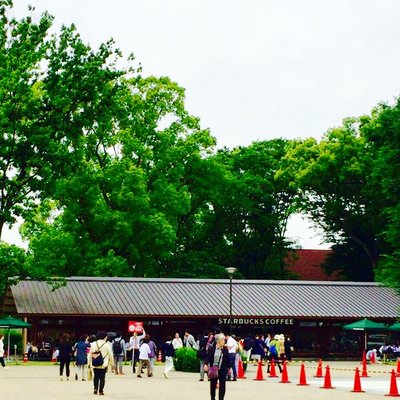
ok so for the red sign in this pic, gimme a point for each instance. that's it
(135, 326)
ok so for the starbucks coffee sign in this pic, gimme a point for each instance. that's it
(256, 321)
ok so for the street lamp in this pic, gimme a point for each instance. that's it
(231, 271)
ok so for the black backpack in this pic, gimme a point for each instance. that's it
(117, 348)
(97, 357)
(247, 343)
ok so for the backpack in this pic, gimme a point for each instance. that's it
(273, 350)
(97, 357)
(247, 343)
(117, 348)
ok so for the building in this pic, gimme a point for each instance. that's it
(312, 313)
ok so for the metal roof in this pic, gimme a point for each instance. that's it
(205, 298)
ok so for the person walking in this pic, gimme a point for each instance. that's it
(232, 346)
(152, 355)
(204, 342)
(81, 350)
(2, 362)
(99, 349)
(64, 355)
(168, 352)
(119, 351)
(218, 356)
(144, 353)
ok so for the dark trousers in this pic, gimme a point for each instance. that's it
(99, 378)
(135, 358)
(232, 361)
(276, 362)
(64, 361)
(222, 384)
(2, 361)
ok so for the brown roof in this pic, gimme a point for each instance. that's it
(307, 265)
(205, 298)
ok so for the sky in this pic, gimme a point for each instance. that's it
(256, 69)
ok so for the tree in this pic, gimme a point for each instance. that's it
(23, 47)
(382, 129)
(339, 196)
(117, 210)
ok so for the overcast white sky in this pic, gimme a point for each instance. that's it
(255, 69)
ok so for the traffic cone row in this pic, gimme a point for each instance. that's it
(393, 391)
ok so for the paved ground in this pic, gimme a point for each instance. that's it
(42, 383)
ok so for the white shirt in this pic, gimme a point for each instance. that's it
(231, 344)
(177, 343)
(1, 348)
(144, 351)
(134, 341)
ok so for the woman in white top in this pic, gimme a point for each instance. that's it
(177, 342)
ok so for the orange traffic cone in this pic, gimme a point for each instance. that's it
(284, 378)
(364, 357)
(272, 371)
(240, 374)
(327, 380)
(398, 368)
(364, 369)
(25, 357)
(259, 376)
(302, 379)
(319, 373)
(372, 358)
(357, 382)
(393, 386)
(159, 357)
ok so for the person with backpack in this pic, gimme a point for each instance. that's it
(119, 351)
(203, 343)
(247, 345)
(273, 353)
(100, 357)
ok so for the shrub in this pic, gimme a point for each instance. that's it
(15, 338)
(186, 360)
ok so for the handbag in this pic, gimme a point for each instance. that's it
(213, 372)
(89, 374)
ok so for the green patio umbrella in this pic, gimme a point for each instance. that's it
(365, 325)
(394, 327)
(12, 323)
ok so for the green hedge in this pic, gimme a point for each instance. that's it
(15, 338)
(186, 360)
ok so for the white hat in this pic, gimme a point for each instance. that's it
(276, 337)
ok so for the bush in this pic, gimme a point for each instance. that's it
(186, 360)
(15, 338)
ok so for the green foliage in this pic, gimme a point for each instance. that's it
(15, 339)
(12, 259)
(186, 360)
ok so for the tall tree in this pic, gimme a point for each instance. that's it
(334, 175)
